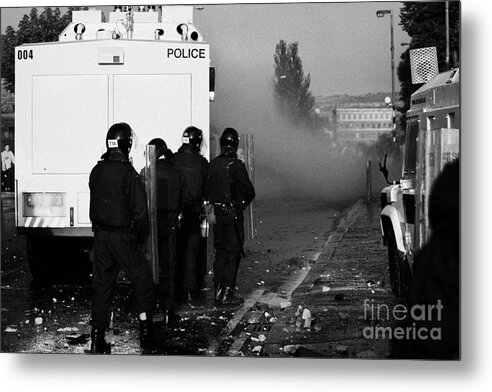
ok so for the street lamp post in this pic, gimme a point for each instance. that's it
(316, 113)
(380, 14)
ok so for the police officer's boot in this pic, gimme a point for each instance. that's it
(229, 298)
(147, 334)
(98, 343)
(219, 294)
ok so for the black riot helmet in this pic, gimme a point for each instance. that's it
(229, 138)
(120, 135)
(193, 136)
(160, 147)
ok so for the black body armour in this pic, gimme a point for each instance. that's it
(109, 206)
(168, 185)
(220, 187)
(193, 169)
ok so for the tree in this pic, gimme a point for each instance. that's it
(290, 87)
(9, 42)
(44, 27)
(425, 23)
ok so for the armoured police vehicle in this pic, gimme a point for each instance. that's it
(432, 140)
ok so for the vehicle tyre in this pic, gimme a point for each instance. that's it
(405, 278)
(395, 265)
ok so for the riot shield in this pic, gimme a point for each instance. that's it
(151, 246)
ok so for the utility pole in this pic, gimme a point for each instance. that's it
(447, 34)
(380, 14)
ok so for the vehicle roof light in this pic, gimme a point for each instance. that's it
(79, 29)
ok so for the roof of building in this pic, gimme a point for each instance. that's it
(370, 100)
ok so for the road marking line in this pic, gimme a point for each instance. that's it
(248, 303)
(235, 348)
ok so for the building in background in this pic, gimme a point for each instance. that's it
(365, 125)
(355, 119)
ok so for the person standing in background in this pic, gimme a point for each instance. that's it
(8, 160)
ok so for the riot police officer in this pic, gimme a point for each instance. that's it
(193, 168)
(230, 190)
(168, 183)
(120, 221)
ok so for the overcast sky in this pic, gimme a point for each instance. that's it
(343, 46)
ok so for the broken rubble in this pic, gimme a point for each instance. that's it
(76, 339)
(298, 323)
(256, 349)
(306, 316)
(68, 329)
(262, 338)
(341, 348)
(285, 304)
(290, 349)
(366, 354)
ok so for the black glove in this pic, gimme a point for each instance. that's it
(139, 231)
